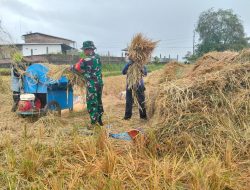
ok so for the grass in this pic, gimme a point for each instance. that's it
(116, 69)
(4, 71)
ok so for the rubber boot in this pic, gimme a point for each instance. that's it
(100, 122)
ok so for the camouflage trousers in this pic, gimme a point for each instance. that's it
(94, 103)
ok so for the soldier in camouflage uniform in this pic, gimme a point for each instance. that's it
(91, 68)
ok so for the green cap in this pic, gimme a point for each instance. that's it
(88, 45)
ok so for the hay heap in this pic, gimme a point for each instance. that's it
(207, 112)
(172, 71)
(243, 56)
(140, 51)
(213, 61)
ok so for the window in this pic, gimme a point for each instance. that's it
(47, 50)
(31, 52)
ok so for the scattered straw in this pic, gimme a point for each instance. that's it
(2, 86)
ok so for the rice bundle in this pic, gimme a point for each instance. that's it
(140, 51)
(57, 71)
(205, 113)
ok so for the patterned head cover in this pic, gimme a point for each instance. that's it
(88, 45)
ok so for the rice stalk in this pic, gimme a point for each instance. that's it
(57, 71)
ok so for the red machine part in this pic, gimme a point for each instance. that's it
(24, 105)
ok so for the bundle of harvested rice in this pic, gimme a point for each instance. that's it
(140, 51)
(57, 71)
(205, 113)
(18, 62)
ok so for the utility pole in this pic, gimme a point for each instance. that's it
(20, 28)
(193, 39)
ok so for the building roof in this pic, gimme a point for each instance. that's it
(21, 44)
(47, 36)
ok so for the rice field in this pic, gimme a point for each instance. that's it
(197, 135)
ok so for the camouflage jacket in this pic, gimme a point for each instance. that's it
(91, 69)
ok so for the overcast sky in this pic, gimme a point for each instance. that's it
(112, 23)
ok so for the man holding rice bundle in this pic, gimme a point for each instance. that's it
(91, 69)
(139, 89)
(139, 52)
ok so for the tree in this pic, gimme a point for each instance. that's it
(219, 31)
(156, 60)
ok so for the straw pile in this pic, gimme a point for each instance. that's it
(243, 57)
(206, 113)
(140, 51)
(57, 71)
(171, 71)
(213, 61)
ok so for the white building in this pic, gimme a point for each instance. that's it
(40, 44)
(30, 49)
